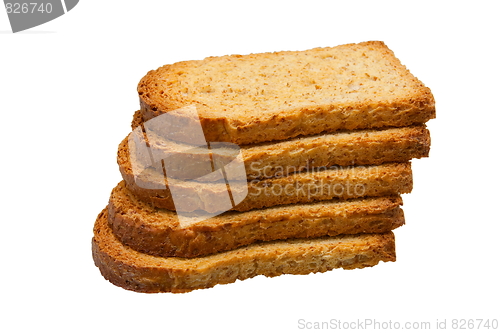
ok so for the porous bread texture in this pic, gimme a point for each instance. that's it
(140, 272)
(263, 97)
(323, 184)
(276, 159)
(158, 232)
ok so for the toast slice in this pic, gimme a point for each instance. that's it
(160, 232)
(141, 272)
(327, 183)
(276, 159)
(152, 185)
(253, 98)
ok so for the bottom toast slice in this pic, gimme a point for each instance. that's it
(141, 272)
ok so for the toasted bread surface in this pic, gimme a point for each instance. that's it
(263, 97)
(152, 186)
(141, 272)
(276, 159)
(159, 231)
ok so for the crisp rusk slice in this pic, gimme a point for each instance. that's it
(264, 97)
(160, 232)
(281, 158)
(323, 184)
(141, 272)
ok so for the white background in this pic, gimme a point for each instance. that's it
(67, 95)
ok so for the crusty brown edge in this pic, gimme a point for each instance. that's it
(304, 187)
(293, 189)
(415, 109)
(376, 215)
(139, 272)
(260, 159)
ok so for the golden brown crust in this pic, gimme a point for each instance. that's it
(158, 232)
(276, 159)
(353, 86)
(303, 187)
(140, 272)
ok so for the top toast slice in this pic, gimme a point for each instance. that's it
(253, 98)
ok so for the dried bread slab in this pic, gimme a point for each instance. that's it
(327, 183)
(141, 272)
(276, 159)
(253, 98)
(159, 232)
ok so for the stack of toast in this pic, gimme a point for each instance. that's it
(289, 162)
